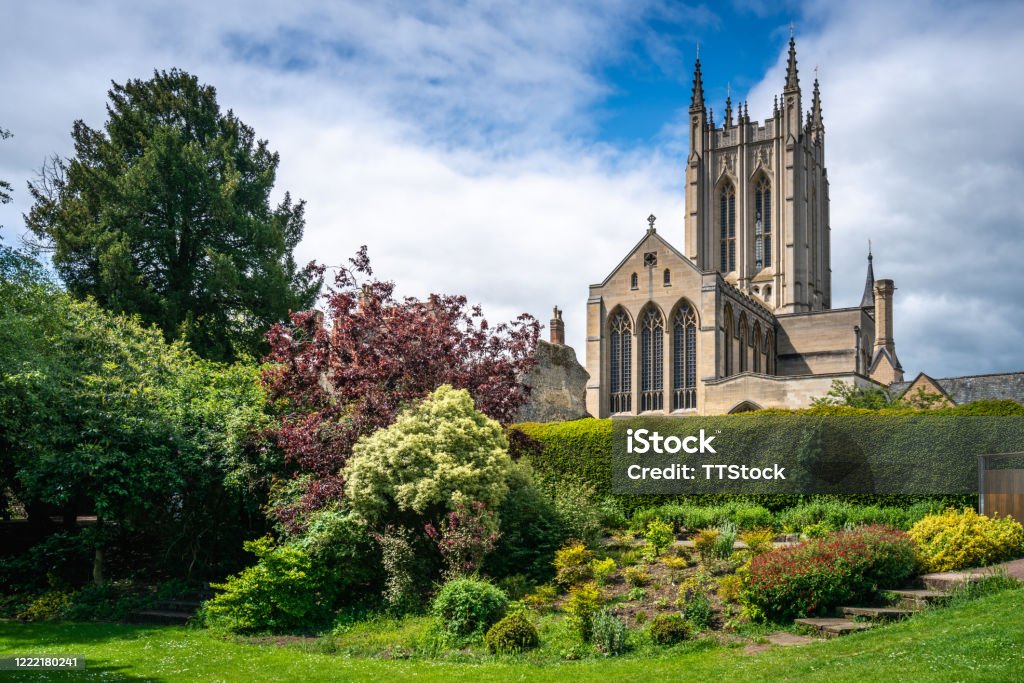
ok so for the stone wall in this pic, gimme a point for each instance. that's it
(559, 386)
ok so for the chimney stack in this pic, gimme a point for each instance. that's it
(557, 328)
(883, 316)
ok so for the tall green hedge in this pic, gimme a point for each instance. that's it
(580, 451)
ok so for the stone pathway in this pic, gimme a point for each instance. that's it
(780, 639)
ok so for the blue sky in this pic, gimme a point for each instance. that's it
(511, 151)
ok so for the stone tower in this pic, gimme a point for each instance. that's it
(757, 206)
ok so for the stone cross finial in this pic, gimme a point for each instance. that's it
(650, 221)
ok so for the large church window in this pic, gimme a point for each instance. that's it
(763, 225)
(741, 338)
(684, 359)
(652, 357)
(727, 227)
(621, 358)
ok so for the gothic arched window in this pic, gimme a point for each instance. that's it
(727, 341)
(668, 277)
(755, 343)
(621, 360)
(727, 227)
(741, 337)
(634, 281)
(769, 353)
(763, 225)
(684, 358)
(652, 358)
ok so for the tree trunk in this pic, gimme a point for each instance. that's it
(97, 558)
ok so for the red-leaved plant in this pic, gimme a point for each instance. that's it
(827, 572)
(467, 534)
(346, 373)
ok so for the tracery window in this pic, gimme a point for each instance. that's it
(727, 227)
(652, 357)
(684, 358)
(621, 359)
(763, 225)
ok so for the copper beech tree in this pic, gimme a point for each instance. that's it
(347, 372)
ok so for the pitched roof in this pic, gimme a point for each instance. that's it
(968, 388)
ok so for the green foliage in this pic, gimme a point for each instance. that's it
(402, 593)
(572, 564)
(285, 591)
(758, 540)
(437, 452)
(726, 539)
(846, 394)
(583, 603)
(828, 572)
(636, 576)
(577, 508)
(52, 605)
(668, 629)
(609, 633)
(531, 531)
(659, 535)
(99, 414)
(165, 213)
(468, 607)
(542, 598)
(698, 611)
(512, 635)
(602, 570)
(960, 539)
(729, 587)
(705, 543)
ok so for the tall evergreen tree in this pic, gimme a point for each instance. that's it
(166, 213)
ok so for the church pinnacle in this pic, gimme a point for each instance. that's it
(868, 300)
(697, 101)
(792, 81)
(816, 121)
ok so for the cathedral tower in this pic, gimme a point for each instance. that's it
(757, 206)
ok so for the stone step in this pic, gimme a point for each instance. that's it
(830, 628)
(160, 616)
(948, 581)
(877, 613)
(917, 598)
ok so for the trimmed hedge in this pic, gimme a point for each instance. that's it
(827, 572)
(580, 450)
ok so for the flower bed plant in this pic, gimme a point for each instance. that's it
(959, 539)
(827, 572)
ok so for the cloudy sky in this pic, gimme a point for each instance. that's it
(511, 151)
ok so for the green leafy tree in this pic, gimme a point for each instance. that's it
(166, 213)
(846, 394)
(99, 414)
(5, 187)
(437, 453)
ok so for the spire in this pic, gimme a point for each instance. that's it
(697, 101)
(868, 300)
(792, 81)
(711, 119)
(728, 105)
(775, 107)
(816, 120)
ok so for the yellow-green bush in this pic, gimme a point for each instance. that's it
(637, 576)
(960, 539)
(705, 541)
(602, 569)
(572, 564)
(580, 608)
(512, 635)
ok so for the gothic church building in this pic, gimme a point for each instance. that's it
(742, 317)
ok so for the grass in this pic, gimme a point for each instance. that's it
(975, 640)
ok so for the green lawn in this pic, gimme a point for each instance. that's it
(982, 640)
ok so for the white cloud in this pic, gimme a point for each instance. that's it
(449, 142)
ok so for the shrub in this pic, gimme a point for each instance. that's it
(511, 635)
(659, 535)
(956, 540)
(729, 588)
(467, 534)
(636, 576)
(578, 512)
(668, 629)
(50, 605)
(698, 610)
(531, 531)
(583, 603)
(705, 542)
(675, 563)
(602, 570)
(758, 540)
(542, 597)
(819, 530)
(609, 633)
(572, 564)
(824, 573)
(284, 591)
(726, 539)
(635, 594)
(691, 588)
(398, 559)
(466, 607)
(440, 450)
